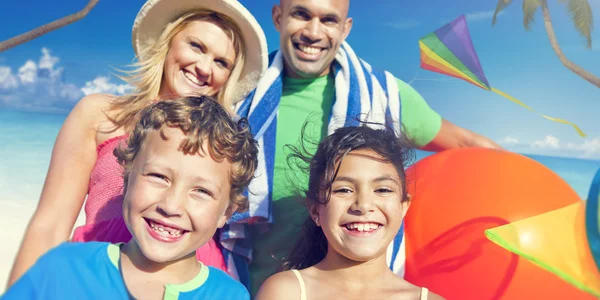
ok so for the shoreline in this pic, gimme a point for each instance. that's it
(16, 216)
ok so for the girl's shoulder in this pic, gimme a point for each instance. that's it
(406, 290)
(279, 286)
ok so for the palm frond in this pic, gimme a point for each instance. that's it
(501, 5)
(529, 9)
(581, 15)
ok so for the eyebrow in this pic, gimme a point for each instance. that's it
(161, 168)
(216, 187)
(199, 41)
(378, 179)
(327, 15)
(154, 164)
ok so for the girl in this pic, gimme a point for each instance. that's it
(356, 199)
(183, 48)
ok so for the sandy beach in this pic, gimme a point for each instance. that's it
(15, 215)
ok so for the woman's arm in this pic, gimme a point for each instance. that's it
(66, 184)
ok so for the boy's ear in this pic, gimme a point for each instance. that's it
(125, 183)
(228, 213)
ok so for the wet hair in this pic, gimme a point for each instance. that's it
(201, 119)
(323, 167)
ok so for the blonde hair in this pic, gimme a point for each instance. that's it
(148, 73)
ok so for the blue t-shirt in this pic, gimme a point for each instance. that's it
(91, 271)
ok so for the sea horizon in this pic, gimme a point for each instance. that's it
(28, 137)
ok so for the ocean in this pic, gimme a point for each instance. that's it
(27, 139)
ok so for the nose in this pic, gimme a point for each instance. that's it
(203, 66)
(312, 31)
(172, 203)
(363, 203)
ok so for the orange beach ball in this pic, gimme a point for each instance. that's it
(457, 195)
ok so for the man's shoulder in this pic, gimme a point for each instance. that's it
(402, 86)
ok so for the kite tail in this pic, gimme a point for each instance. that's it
(509, 97)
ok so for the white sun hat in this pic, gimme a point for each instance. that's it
(155, 15)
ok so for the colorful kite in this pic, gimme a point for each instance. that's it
(449, 50)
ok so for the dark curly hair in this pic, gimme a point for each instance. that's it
(200, 119)
(395, 148)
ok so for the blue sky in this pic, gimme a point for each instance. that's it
(52, 72)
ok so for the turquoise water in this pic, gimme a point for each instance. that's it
(27, 139)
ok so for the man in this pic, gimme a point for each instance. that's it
(311, 33)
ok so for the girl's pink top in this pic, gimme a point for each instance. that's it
(104, 207)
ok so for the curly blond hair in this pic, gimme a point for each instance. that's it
(200, 119)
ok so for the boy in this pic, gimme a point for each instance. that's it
(186, 165)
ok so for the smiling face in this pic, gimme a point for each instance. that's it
(310, 33)
(199, 61)
(365, 210)
(174, 202)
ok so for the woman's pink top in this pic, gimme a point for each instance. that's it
(104, 207)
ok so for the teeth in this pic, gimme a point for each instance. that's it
(165, 231)
(192, 78)
(362, 227)
(309, 50)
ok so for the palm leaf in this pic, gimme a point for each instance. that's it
(501, 5)
(581, 15)
(529, 9)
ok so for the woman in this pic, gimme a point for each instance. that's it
(184, 47)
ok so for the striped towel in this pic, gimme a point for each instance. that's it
(359, 91)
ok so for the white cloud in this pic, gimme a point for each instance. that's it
(548, 142)
(102, 84)
(551, 145)
(589, 148)
(509, 141)
(39, 85)
(28, 72)
(7, 79)
(481, 16)
(404, 24)
(478, 16)
(47, 61)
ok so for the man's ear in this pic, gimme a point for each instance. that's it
(276, 15)
(347, 28)
(228, 213)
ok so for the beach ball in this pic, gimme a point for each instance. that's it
(491, 224)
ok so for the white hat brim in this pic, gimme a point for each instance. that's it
(155, 15)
